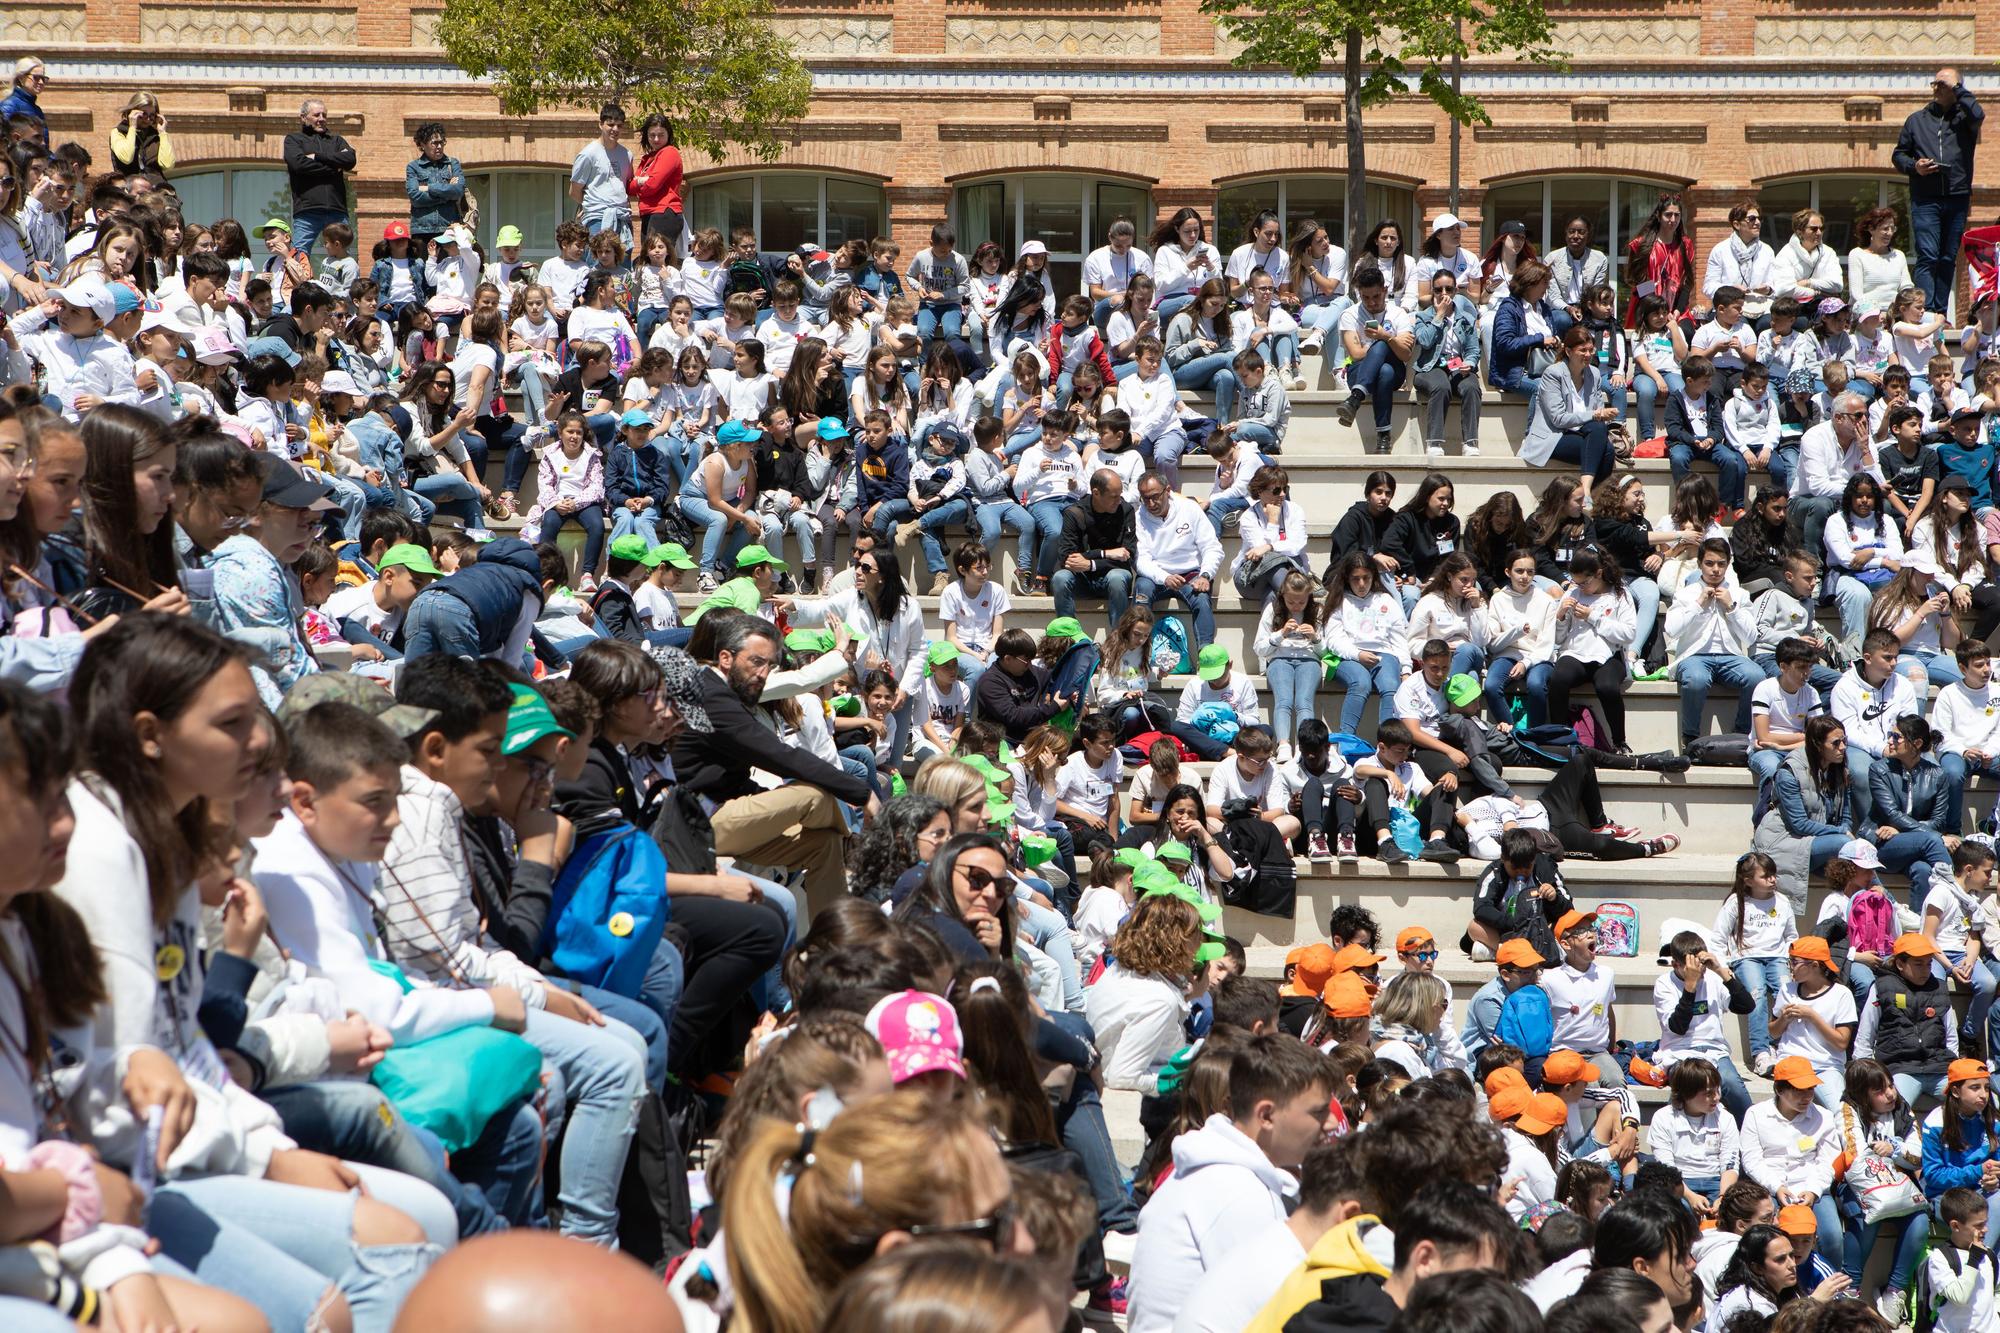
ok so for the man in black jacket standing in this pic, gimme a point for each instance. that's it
(798, 825)
(1094, 550)
(1935, 151)
(317, 163)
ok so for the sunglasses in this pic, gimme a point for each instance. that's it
(1423, 955)
(996, 1230)
(979, 880)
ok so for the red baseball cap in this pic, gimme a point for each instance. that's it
(396, 231)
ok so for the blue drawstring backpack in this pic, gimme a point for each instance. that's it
(1217, 722)
(1171, 647)
(607, 910)
(1350, 746)
(1072, 675)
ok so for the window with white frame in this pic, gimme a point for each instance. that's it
(788, 209)
(1615, 209)
(1839, 200)
(250, 195)
(1068, 214)
(532, 199)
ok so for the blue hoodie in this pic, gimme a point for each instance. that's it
(1946, 1168)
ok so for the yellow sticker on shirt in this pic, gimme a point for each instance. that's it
(621, 924)
(1597, 1011)
(1807, 1143)
(168, 962)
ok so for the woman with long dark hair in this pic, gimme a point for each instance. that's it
(118, 554)
(1595, 622)
(1659, 261)
(435, 452)
(1808, 810)
(1183, 261)
(966, 897)
(655, 187)
(888, 619)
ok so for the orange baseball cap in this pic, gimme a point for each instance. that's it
(1959, 1071)
(1813, 947)
(1545, 1111)
(1518, 953)
(1916, 945)
(1506, 1076)
(1311, 965)
(1795, 1219)
(1412, 938)
(1795, 1070)
(1354, 956)
(1572, 920)
(1567, 1067)
(1511, 1100)
(1346, 996)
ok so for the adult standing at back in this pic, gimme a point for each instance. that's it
(436, 186)
(31, 76)
(139, 142)
(600, 176)
(655, 187)
(1935, 151)
(316, 163)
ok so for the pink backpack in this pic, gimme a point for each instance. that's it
(1871, 923)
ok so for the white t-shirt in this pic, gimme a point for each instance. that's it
(781, 338)
(974, 615)
(1087, 788)
(656, 606)
(1769, 927)
(1788, 712)
(1148, 790)
(1958, 913)
(1580, 1003)
(947, 708)
(1112, 271)
(1244, 260)
(1393, 317)
(1416, 699)
(356, 603)
(744, 397)
(1099, 913)
(1975, 1313)
(1836, 1005)
(1227, 784)
(1700, 1146)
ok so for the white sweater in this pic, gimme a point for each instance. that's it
(1969, 718)
(1372, 624)
(1140, 1021)
(1270, 645)
(1285, 537)
(1604, 634)
(1520, 626)
(1181, 542)
(1435, 617)
(1696, 625)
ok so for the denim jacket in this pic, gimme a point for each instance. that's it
(378, 446)
(435, 208)
(1430, 335)
(383, 275)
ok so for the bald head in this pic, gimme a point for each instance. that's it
(534, 1282)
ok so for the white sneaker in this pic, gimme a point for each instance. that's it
(1285, 753)
(1764, 1064)
(1889, 1304)
(1469, 448)
(1298, 383)
(1435, 448)
(1313, 341)
(1337, 381)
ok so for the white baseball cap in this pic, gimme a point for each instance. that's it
(90, 292)
(211, 346)
(1443, 221)
(1032, 248)
(339, 381)
(160, 318)
(1860, 853)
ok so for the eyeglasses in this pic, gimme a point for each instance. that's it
(869, 568)
(996, 1230)
(538, 768)
(934, 837)
(1851, 416)
(1815, 227)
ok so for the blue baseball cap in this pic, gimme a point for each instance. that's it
(635, 417)
(125, 299)
(832, 428)
(737, 432)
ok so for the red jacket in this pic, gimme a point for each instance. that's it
(656, 183)
(1098, 355)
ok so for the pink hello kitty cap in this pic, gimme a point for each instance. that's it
(919, 1033)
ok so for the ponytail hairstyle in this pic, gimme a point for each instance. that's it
(994, 1016)
(1596, 564)
(1446, 570)
(829, 1050)
(891, 1164)
(1740, 887)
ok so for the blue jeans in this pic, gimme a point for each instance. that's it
(1699, 673)
(1211, 372)
(1588, 450)
(1941, 668)
(1080, 1117)
(1517, 380)
(939, 319)
(1048, 516)
(720, 541)
(1113, 585)
(681, 451)
(1358, 681)
(991, 516)
(1851, 598)
(1957, 768)
(1376, 377)
(440, 623)
(450, 493)
(1913, 1086)
(603, 1073)
(643, 525)
(1732, 473)
(608, 219)
(405, 502)
(1919, 854)
(1281, 352)
(1763, 978)
(591, 519)
(1164, 452)
(1202, 604)
(1258, 435)
(307, 225)
(952, 513)
(1937, 225)
(1985, 984)
(280, 1246)
(1859, 1240)
(799, 523)
(1049, 931)
(1784, 463)
(1294, 682)
(1220, 507)
(888, 515)
(1467, 659)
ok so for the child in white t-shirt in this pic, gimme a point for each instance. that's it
(942, 704)
(1815, 1017)
(1102, 907)
(1087, 784)
(1755, 927)
(1150, 785)
(973, 610)
(654, 598)
(1251, 776)
(1695, 1135)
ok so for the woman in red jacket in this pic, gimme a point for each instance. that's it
(655, 190)
(1660, 259)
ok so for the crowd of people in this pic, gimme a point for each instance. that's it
(398, 859)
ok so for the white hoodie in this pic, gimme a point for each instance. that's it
(1184, 542)
(1140, 1021)
(1969, 718)
(1223, 1187)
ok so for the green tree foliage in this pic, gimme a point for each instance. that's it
(715, 67)
(1383, 47)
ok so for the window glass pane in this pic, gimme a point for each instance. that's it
(1843, 199)
(1576, 197)
(257, 195)
(1386, 202)
(1235, 206)
(203, 197)
(855, 210)
(1520, 202)
(1777, 203)
(1635, 205)
(791, 211)
(724, 205)
(1054, 214)
(985, 214)
(1898, 198)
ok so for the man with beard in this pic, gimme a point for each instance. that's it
(797, 825)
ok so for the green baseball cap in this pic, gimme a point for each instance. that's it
(1065, 627)
(738, 594)
(1461, 690)
(1210, 951)
(1175, 848)
(753, 555)
(278, 223)
(411, 557)
(941, 652)
(507, 235)
(810, 641)
(1129, 857)
(1212, 662)
(671, 553)
(529, 720)
(630, 547)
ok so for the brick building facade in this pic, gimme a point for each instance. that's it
(1032, 117)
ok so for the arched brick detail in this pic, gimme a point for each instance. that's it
(1659, 171)
(786, 166)
(1764, 163)
(962, 161)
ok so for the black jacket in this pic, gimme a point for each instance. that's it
(1013, 703)
(1522, 920)
(1354, 1304)
(717, 764)
(1088, 533)
(617, 612)
(1626, 542)
(782, 467)
(317, 165)
(1909, 799)
(1569, 540)
(513, 893)
(1680, 427)
(1418, 543)
(1948, 138)
(1359, 530)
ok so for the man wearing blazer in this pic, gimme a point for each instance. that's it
(1576, 268)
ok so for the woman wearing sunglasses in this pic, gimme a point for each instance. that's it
(966, 895)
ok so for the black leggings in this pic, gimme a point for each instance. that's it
(729, 946)
(1436, 812)
(1576, 812)
(1609, 679)
(1317, 801)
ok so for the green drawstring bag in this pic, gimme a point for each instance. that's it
(1330, 660)
(455, 1084)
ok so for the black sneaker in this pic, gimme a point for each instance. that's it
(1347, 409)
(1441, 851)
(1389, 854)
